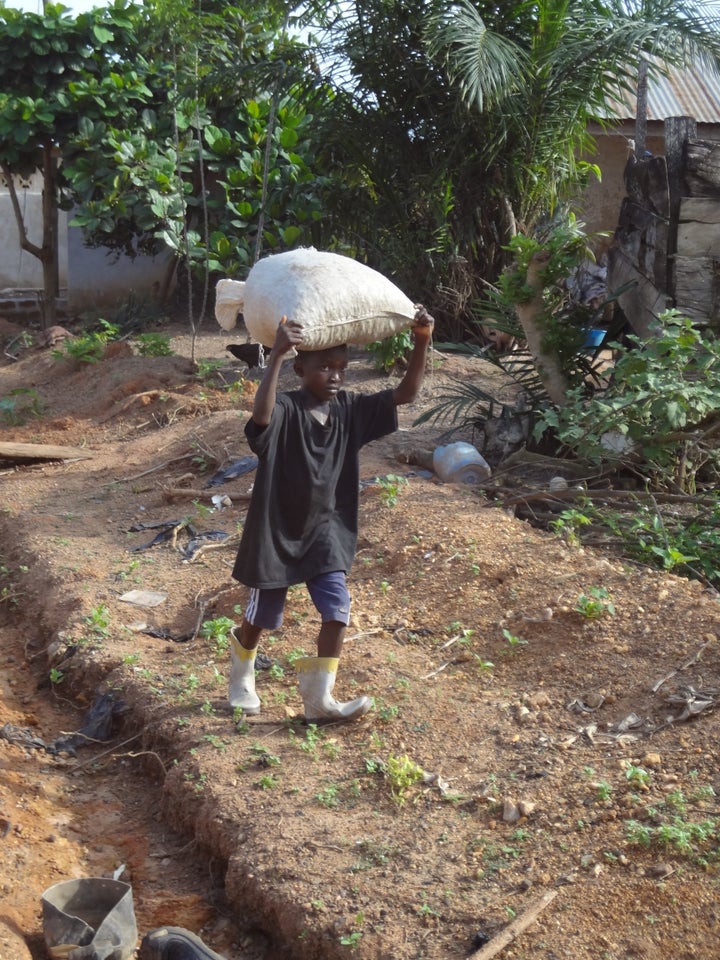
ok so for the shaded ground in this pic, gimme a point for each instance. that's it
(549, 761)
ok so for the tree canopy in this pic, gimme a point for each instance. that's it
(416, 135)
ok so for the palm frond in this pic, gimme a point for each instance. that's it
(462, 404)
(486, 65)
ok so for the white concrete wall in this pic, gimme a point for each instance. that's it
(97, 279)
(93, 279)
(20, 270)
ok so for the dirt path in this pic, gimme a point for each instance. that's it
(548, 759)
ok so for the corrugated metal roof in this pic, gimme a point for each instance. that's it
(694, 92)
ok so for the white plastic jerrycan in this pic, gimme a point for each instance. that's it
(460, 463)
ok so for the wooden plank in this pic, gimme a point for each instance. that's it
(698, 239)
(702, 168)
(699, 209)
(646, 183)
(658, 188)
(42, 451)
(642, 303)
(642, 235)
(697, 289)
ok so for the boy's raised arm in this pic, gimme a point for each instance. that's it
(288, 335)
(409, 386)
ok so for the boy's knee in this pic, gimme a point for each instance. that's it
(331, 597)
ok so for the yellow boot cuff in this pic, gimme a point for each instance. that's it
(240, 651)
(317, 664)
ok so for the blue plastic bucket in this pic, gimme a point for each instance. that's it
(593, 339)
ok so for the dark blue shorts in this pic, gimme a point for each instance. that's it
(328, 592)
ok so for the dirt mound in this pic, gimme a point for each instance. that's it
(543, 717)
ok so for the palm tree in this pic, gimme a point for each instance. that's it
(539, 87)
(561, 67)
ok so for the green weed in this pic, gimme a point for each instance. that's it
(216, 632)
(90, 347)
(402, 773)
(513, 641)
(594, 604)
(390, 487)
(328, 797)
(98, 620)
(387, 353)
(153, 345)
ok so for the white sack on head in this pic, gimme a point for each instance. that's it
(336, 299)
(229, 297)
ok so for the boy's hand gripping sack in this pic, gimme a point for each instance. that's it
(335, 299)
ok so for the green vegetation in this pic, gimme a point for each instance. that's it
(596, 603)
(402, 774)
(328, 796)
(90, 346)
(20, 405)
(514, 642)
(153, 345)
(98, 622)
(10, 590)
(217, 633)
(388, 353)
(390, 487)
(658, 418)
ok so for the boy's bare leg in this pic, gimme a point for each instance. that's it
(249, 635)
(330, 639)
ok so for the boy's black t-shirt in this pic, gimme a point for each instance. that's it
(302, 518)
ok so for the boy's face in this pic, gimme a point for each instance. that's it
(322, 372)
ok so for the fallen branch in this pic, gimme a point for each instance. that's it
(42, 451)
(219, 545)
(171, 494)
(160, 466)
(519, 924)
(598, 496)
(365, 633)
(440, 669)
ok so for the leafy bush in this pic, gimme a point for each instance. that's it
(153, 345)
(89, 347)
(684, 538)
(386, 353)
(659, 416)
(19, 405)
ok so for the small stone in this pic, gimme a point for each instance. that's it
(652, 760)
(511, 813)
(522, 714)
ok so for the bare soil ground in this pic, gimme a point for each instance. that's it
(571, 762)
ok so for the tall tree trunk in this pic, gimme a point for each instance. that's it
(547, 364)
(49, 256)
(641, 110)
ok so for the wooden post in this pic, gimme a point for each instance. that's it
(641, 110)
(678, 130)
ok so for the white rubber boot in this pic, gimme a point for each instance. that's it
(242, 678)
(316, 679)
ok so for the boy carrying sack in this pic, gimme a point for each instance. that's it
(302, 520)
